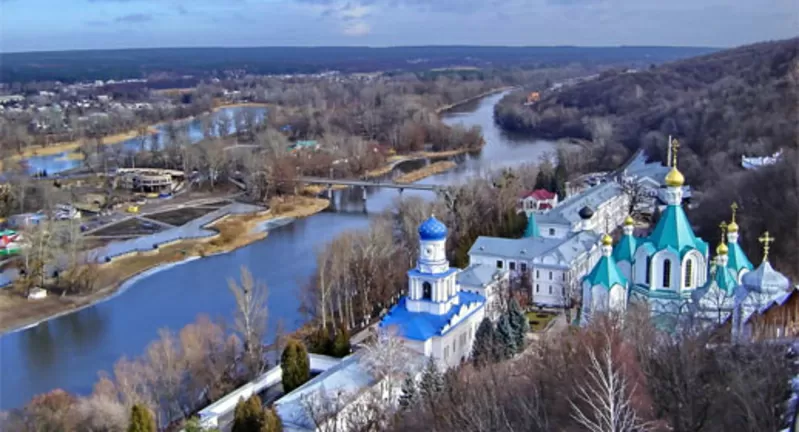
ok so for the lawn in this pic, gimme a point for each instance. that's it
(539, 320)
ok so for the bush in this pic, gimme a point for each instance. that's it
(341, 345)
(249, 415)
(141, 419)
(295, 364)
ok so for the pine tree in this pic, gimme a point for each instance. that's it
(559, 181)
(505, 342)
(542, 180)
(482, 348)
(409, 395)
(341, 346)
(518, 323)
(273, 422)
(295, 364)
(320, 342)
(432, 381)
(249, 415)
(141, 419)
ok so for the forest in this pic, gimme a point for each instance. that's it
(71, 66)
(721, 106)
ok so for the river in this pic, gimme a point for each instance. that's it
(68, 352)
(191, 128)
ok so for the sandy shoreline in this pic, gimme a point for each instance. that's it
(117, 276)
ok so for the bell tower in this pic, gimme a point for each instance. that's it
(431, 285)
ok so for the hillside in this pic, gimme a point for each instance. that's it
(724, 105)
(138, 63)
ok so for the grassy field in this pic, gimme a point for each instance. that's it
(539, 320)
(427, 171)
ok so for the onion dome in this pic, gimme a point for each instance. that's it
(675, 178)
(732, 227)
(764, 279)
(586, 213)
(432, 229)
(722, 249)
(628, 221)
(607, 240)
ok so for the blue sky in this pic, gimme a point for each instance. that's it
(34, 25)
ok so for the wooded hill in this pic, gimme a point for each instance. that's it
(721, 106)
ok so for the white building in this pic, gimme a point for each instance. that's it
(438, 318)
(560, 246)
(539, 200)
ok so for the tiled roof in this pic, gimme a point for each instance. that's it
(567, 212)
(422, 326)
(606, 273)
(737, 258)
(674, 231)
(477, 275)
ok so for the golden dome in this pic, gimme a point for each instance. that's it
(607, 240)
(732, 227)
(629, 220)
(675, 178)
(721, 249)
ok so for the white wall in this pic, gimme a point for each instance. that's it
(554, 230)
(456, 345)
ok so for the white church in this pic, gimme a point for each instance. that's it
(671, 271)
(439, 316)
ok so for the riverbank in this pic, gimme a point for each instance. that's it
(17, 312)
(66, 146)
(444, 108)
(427, 171)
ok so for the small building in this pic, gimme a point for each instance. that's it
(537, 201)
(37, 294)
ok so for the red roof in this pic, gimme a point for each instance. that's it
(540, 195)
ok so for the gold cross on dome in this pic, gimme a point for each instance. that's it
(675, 145)
(723, 226)
(734, 207)
(766, 240)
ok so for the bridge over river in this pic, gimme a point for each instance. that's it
(370, 183)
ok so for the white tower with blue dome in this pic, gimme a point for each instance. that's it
(436, 319)
(432, 287)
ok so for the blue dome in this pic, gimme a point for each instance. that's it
(432, 229)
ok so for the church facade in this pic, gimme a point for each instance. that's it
(438, 318)
(672, 272)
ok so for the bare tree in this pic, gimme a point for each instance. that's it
(251, 319)
(605, 399)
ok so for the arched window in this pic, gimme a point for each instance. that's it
(666, 273)
(648, 269)
(427, 291)
(689, 273)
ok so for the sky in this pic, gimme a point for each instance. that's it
(36, 25)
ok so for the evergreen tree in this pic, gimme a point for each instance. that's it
(432, 381)
(273, 422)
(249, 415)
(505, 342)
(141, 419)
(320, 342)
(518, 323)
(295, 364)
(559, 181)
(409, 395)
(542, 180)
(193, 425)
(341, 346)
(482, 348)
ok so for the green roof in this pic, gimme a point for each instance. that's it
(674, 231)
(532, 227)
(606, 273)
(737, 259)
(625, 249)
(724, 278)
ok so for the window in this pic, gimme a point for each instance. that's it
(563, 291)
(446, 352)
(550, 275)
(524, 267)
(689, 273)
(536, 274)
(552, 232)
(666, 273)
(550, 289)
(427, 291)
(536, 287)
(648, 268)
(512, 265)
(564, 276)
(499, 264)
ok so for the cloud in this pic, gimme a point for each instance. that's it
(357, 29)
(134, 18)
